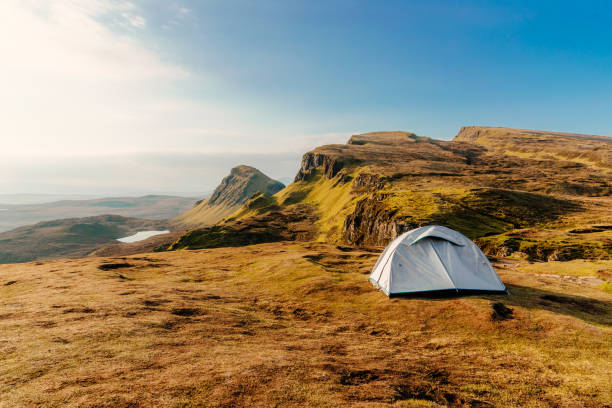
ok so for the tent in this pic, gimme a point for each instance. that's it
(434, 258)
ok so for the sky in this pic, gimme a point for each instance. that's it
(162, 96)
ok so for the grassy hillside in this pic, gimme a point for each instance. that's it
(513, 191)
(292, 325)
(71, 237)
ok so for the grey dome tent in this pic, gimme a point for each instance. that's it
(434, 258)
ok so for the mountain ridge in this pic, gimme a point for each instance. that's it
(499, 182)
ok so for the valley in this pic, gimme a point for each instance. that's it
(69, 237)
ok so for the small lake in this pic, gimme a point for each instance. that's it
(141, 235)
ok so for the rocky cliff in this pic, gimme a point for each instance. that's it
(310, 161)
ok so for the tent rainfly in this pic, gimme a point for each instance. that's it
(434, 258)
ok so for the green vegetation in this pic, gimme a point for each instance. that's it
(257, 204)
(332, 198)
(541, 246)
(222, 236)
(576, 267)
(606, 287)
(475, 212)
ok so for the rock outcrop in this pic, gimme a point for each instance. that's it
(311, 161)
(373, 223)
(368, 181)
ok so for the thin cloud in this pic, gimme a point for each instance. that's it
(135, 20)
(184, 11)
(66, 39)
(72, 83)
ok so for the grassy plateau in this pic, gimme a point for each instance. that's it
(294, 324)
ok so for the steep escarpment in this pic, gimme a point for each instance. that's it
(233, 191)
(373, 223)
(477, 212)
(486, 183)
(331, 165)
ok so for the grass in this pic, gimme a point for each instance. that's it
(332, 198)
(576, 267)
(606, 287)
(290, 324)
(542, 245)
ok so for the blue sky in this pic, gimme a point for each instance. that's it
(339, 66)
(92, 82)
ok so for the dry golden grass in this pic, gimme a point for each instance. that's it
(288, 324)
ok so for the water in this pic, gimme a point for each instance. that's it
(141, 235)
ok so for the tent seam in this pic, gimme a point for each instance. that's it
(444, 267)
(383, 269)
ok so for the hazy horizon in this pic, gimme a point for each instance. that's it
(137, 174)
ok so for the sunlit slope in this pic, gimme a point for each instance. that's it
(234, 190)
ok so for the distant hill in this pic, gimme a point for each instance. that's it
(235, 189)
(155, 207)
(72, 237)
(541, 195)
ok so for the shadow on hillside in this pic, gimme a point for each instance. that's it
(588, 309)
